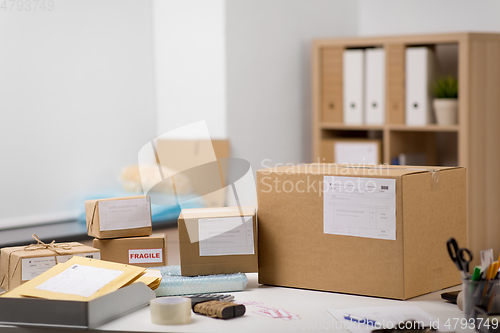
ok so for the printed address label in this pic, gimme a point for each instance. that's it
(145, 256)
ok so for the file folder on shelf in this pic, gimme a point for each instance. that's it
(419, 68)
(354, 72)
(395, 71)
(375, 86)
(331, 82)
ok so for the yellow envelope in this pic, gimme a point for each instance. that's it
(79, 279)
(151, 278)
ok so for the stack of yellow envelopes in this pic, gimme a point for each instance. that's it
(151, 278)
(83, 279)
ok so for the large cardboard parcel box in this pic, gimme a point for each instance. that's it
(145, 251)
(218, 241)
(119, 217)
(375, 231)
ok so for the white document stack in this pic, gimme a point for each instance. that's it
(419, 68)
(353, 86)
(375, 86)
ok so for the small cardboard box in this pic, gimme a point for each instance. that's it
(218, 241)
(375, 231)
(183, 155)
(23, 263)
(147, 251)
(119, 217)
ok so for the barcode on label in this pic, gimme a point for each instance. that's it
(384, 187)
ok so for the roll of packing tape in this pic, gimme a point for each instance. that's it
(170, 310)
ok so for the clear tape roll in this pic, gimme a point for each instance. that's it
(170, 310)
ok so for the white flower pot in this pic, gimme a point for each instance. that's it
(446, 110)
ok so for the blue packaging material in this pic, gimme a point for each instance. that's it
(173, 284)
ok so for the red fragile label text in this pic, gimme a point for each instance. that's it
(144, 256)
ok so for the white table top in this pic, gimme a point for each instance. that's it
(311, 306)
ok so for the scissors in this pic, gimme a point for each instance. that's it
(461, 257)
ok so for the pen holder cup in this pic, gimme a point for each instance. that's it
(484, 294)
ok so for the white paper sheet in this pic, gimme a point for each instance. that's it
(80, 280)
(358, 206)
(385, 317)
(226, 236)
(124, 214)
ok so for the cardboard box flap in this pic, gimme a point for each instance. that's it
(391, 171)
(216, 212)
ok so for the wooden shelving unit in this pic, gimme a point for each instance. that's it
(474, 143)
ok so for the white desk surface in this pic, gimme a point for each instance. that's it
(311, 306)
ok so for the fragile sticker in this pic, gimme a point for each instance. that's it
(145, 256)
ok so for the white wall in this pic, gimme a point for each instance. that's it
(190, 68)
(76, 103)
(268, 73)
(390, 17)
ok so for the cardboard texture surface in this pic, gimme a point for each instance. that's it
(11, 267)
(328, 148)
(29, 289)
(193, 264)
(122, 250)
(93, 226)
(294, 251)
(182, 155)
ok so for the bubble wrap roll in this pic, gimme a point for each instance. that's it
(173, 284)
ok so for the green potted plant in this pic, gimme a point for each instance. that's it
(445, 103)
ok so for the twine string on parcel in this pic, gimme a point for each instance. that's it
(60, 249)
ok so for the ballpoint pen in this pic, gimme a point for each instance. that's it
(360, 320)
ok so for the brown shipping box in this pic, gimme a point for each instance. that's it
(375, 231)
(218, 241)
(147, 251)
(119, 217)
(23, 263)
(182, 155)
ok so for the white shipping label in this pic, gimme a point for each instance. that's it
(80, 280)
(32, 267)
(145, 256)
(226, 236)
(124, 214)
(358, 206)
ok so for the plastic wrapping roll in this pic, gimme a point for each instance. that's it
(170, 310)
(173, 283)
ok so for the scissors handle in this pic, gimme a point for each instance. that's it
(465, 256)
(461, 257)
